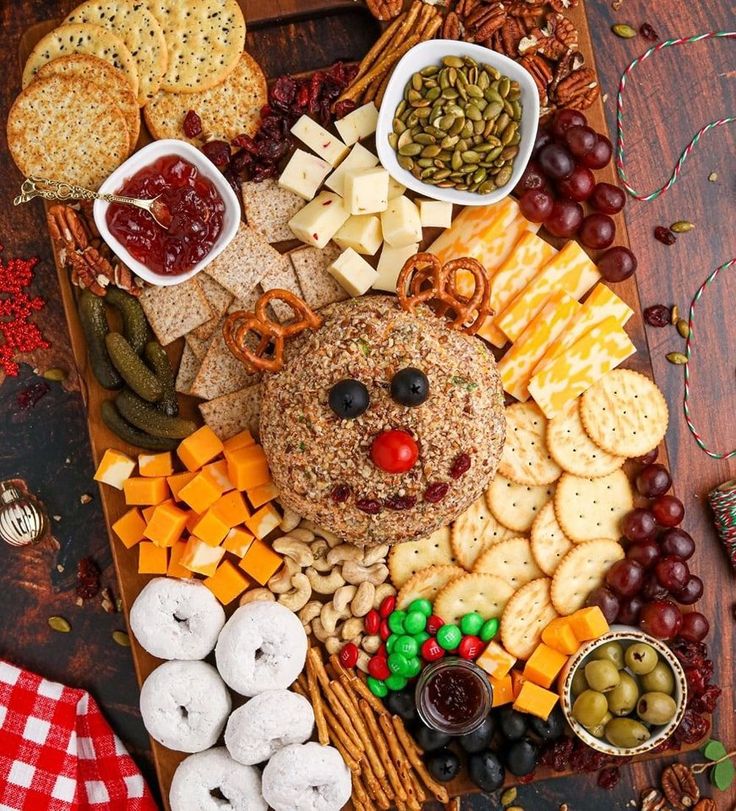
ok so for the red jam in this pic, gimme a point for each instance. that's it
(453, 696)
(193, 203)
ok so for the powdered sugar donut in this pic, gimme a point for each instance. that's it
(263, 646)
(185, 705)
(306, 777)
(214, 770)
(267, 723)
(176, 619)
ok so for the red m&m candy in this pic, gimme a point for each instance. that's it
(434, 623)
(471, 647)
(372, 622)
(387, 605)
(378, 667)
(431, 651)
(348, 655)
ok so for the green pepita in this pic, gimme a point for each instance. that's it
(683, 328)
(503, 177)
(624, 30)
(405, 162)
(425, 138)
(410, 150)
(121, 638)
(55, 374)
(430, 70)
(682, 226)
(473, 113)
(504, 86)
(59, 624)
(509, 796)
(678, 358)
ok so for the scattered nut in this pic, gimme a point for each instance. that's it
(363, 659)
(280, 583)
(382, 591)
(289, 520)
(375, 554)
(299, 594)
(356, 573)
(333, 645)
(343, 596)
(363, 599)
(309, 612)
(371, 644)
(325, 584)
(343, 553)
(330, 616)
(254, 595)
(320, 549)
(319, 631)
(352, 630)
(295, 549)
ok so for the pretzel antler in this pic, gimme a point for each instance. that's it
(424, 280)
(271, 334)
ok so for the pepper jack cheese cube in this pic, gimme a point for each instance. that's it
(435, 213)
(166, 525)
(211, 528)
(152, 559)
(304, 174)
(361, 233)
(588, 623)
(140, 491)
(178, 480)
(353, 272)
(200, 493)
(543, 666)
(496, 661)
(329, 148)
(247, 467)
(260, 562)
(226, 583)
(231, 508)
(114, 468)
(366, 190)
(263, 521)
(319, 220)
(390, 263)
(155, 464)
(199, 448)
(130, 528)
(401, 223)
(200, 557)
(535, 700)
(503, 690)
(237, 541)
(560, 636)
(359, 158)
(258, 496)
(175, 568)
(360, 123)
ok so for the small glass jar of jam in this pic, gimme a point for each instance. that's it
(453, 696)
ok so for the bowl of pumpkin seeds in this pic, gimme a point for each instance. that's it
(457, 122)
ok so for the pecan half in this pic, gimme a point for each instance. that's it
(560, 36)
(506, 40)
(541, 73)
(464, 7)
(579, 90)
(679, 787)
(652, 800)
(90, 271)
(452, 27)
(384, 9)
(484, 21)
(528, 13)
(706, 804)
(67, 228)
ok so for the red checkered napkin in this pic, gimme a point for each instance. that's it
(57, 752)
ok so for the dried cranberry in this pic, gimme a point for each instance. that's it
(340, 493)
(706, 702)
(192, 125)
(664, 235)
(88, 578)
(435, 492)
(693, 728)
(608, 778)
(369, 505)
(648, 32)
(283, 92)
(460, 466)
(658, 315)
(245, 142)
(556, 755)
(342, 108)
(690, 654)
(29, 396)
(399, 502)
(218, 152)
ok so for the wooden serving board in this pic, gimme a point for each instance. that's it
(274, 33)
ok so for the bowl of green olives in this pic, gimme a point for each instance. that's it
(623, 693)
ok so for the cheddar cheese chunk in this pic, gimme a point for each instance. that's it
(535, 700)
(178, 480)
(152, 559)
(231, 508)
(496, 661)
(240, 440)
(238, 542)
(114, 468)
(258, 496)
(227, 582)
(200, 557)
(200, 493)
(247, 467)
(560, 636)
(199, 448)
(192, 519)
(130, 528)
(544, 665)
(260, 562)
(166, 525)
(517, 680)
(263, 521)
(503, 690)
(217, 471)
(211, 528)
(155, 464)
(175, 568)
(140, 491)
(588, 623)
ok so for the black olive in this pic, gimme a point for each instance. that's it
(443, 765)
(348, 398)
(551, 729)
(402, 704)
(429, 739)
(521, 757)
(410, 387)
(486, 771)
(513, 724)
(479, 739)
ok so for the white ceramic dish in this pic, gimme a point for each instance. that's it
(145, 157)
(431, 53)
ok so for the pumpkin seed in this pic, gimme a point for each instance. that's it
(452, 62)
(479, 175)
(55, 374)
(470, 156)
(423, 113)
(393, 139)
(504, 86)
(492, 94)
(430, 70)
(486, 187)
(509, 153)
(59, 624)
(405, 162)
(416, 81)
(674, 314)
(404, 139)
(428, 172)
(433, 94)
(473, 113)
(682, 226)
(425, 162)
(449, 141)
(441, 174)
(431, 151)
(121, 638)
(503, 177)
(678, 358)
(683, 328)
(456, 160)
(624, 30)
(398, 126)
(493, 110)
(425, 138)
(508, 796)
(410, 150)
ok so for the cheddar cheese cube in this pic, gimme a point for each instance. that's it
(559, 636)
(166, 525)
(199, 448)
(238, 541)
(240, 440)
(192, 519)
(231, 508)
(200, 493)
(217, 471)
(130, 527)
(226, 583)
(503, 690)
(200, 557)
(211, 528)
(517, 680)
(147, 512)
(535, 700)
(114, 468)
(155, 464)
(588, 623)
(543, 665)
(258, 496)
(496, 661)
(260, 562)
(247, 467)
(152, 559)
(178, 480)
(175, 568)
(140, 491)
(263, 521)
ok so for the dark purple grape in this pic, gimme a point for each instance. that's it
(639, 524)
(578, 186)
(645, 553)
(600, 155)
(608, 198)
(629, 612)
(672, 573)
(661, 618)
(668, 510)
(691, 592)
(617, 264)
(565, 119)
(653, 481)
(597, 231)
(556, 161)
(653, 590)
(580, 140)
(533, 178)
(607, 601)
(678, 543)
(536, 205)
(565, 218)
(625, 577)
(695, 626)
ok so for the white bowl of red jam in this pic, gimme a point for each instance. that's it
(202, 209)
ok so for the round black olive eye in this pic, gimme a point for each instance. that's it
(410, 386)
(349, 398)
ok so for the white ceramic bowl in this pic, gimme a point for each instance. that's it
(627, 636)
(431, 53)
(145, 157)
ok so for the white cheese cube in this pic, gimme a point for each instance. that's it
(353, 272)
(362, 233)
(366, 190)
(395, 189)
(304, 174)
(359, 124)
(329, 148)
(401, 223)
(359, 158)
(435, 213)
(390, 263)
(319, 220)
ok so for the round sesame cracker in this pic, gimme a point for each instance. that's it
(487, 594)
(426, 584)
(549, 543)
(516, 505)
(512, 560)
(592, 508)
(526, 458)
(474, 531)
(582, 570)
(408, 558)
(527, 614)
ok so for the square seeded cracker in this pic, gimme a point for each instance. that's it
(188, 368)
(268, 209)
(285, 279)
(234, 412)
(176, 310)
(318, 285)
(221, 372)
(219, 300)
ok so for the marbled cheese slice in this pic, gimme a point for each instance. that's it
(599, 350)
(601, 303)
(517, 365)
(571, 270)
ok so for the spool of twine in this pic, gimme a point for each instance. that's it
(722, 500)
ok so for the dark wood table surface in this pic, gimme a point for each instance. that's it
(668, 100)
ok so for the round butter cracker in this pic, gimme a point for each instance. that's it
(592, 508)
(474, 531)
(516, 505)
(426, 584)
(581, 571)
(410, 557)
(549, 544)
(512, 560)
(485, 593)
(526, 615)
(526, 458)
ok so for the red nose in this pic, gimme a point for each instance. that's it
(394, 451)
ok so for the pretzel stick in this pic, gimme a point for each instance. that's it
(374, 787)
(380, 742)
(317, 704)
(359, 793)
(397, 753)
(440, 792)
(386, 62)
(314, 658)
(361, 729)
(379, 46)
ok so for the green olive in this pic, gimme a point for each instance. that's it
(613, 651)
(599, 729)
(656, 708)
(602, 675)
(660, 680)
(622, 699)
(641, 658)
(589, 708)
(578, 682)
(626, 732)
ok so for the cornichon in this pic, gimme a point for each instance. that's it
(149, 419)
(112, 419)
(132, 369)
(94, 324)
(135, 324)
(158, 360)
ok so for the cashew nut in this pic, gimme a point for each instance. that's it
(375, 554)
(382, 591)
(253, 595)
(330, 616)
(363, 600)
(344, 552)
(319, 553)
(280, 583)
(356, 573)
(295, 549)
(352, 630)
(371, 644)
(363, 659)
(299, 594)
(290, 520)
(309, 612)
(333, 645)
(343, 596)
(319, 631)
(325, 584)
(330, 537)
(302, 534)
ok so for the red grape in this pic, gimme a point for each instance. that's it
(536, 205)
(533, 178)
(653, 590)
(695, 626)
(691, 592)
(638, 525)
(580, 140)
(625, 577)
(653, 481)
(678, 543)
(645, 553)
(617, 264)
(607, 601)
(650, 457)
(630, 610)
(668, 510)
(600, 155)
(566, 119)
(565, 218)
(578, 186)
(543, 138)
(556, 161)
(661, 618)
(597, 231)
(672, 573)
(607, 198)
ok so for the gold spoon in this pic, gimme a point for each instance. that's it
(58, 190)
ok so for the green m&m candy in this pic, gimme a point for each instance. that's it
(378, 688)
(414, 667)
(488, 630)
(421, 638)
(395, 682)
(449, 637)
(398, 663)
(396, 621)
(415, 622)
(423, 606)
(471, 623)
(406, 646)
(391, 642)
